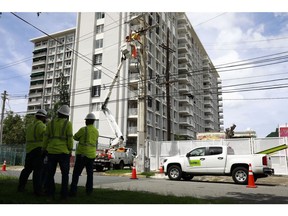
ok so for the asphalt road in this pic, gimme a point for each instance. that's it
(265, 193)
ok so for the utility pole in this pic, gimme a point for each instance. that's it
(167, 76)
(142, 112)
(4, 97)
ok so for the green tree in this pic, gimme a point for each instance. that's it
(13, 129)
(64, 96)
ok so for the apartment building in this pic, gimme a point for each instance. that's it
(194, 97)
(52, 57)
(194, 84)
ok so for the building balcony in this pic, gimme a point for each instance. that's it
(132, 112)
(209, 118)
(38, 86)
(183, 68)
(220, 110)
(186, 121)
(133, 94)
(183, 88)
(183, 58)
(209, 127)
(185, 110)
(132, 131)
(133, 79)
(186, 132)
(182, 48)
(184, 99)
(182, 28)
(183, 78)
(37, 94)
(42, 62)
(208, 97)
(208, 111)
(208, 103)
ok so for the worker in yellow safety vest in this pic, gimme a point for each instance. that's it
(34, 160)
(58, 142)
(85, 154)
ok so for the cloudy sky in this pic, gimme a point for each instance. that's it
(248, 49)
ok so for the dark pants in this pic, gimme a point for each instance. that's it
(33, 163)
(81, 162)
(64, 163)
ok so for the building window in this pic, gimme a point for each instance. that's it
(67, 71)
(96, 107)
(97, 59)
(150, 101)
(99, 43)
(96, 91)
(97, 74)
(100, 15)
(157, 105)
(68, 54)
(99, 29)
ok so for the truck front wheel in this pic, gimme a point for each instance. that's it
(240, 175)
(174, 172)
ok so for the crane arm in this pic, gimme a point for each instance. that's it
(112, 122)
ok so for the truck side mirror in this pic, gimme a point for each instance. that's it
(188, 155)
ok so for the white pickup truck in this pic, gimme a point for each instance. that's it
(217, 160)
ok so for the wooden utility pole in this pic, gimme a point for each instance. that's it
(167, 76)
(2, 116)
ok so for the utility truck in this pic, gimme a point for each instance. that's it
(114, 158)
(217, 161)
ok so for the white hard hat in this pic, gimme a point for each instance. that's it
(41, 112)
(90, 116)
(64, 109)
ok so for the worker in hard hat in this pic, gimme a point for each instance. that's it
(34, 161)
(85, 154)
(58, 142)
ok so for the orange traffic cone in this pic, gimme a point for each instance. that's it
(4, 166)
(161, 170)
(134, 176)
(251, 182)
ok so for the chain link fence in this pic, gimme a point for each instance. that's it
(14, 155)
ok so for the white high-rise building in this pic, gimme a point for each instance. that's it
(52, 56)
(193, 83)
(89, 56)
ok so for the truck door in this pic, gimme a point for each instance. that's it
(215, 159)
(196, 161)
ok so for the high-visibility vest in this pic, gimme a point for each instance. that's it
(88, 138)
(34, 135)
(58, 136)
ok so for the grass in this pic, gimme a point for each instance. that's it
(9, 195)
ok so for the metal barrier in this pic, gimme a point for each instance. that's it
(14, 155)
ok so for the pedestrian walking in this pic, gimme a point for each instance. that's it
(34, 160)
(85, 154)
(58, 142)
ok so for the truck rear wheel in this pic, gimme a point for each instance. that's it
(240, 175)
(174, 172)
(121, 165)
(99, 168)
(187, 177)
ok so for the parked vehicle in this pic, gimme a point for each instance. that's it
(217, 161)
(114, 158)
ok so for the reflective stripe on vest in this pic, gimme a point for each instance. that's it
(34, 134)
(62, 132)
(85, 139)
